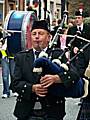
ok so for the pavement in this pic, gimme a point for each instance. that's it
(7, 106)
(72, 108)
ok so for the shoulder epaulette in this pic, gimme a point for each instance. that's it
(24, 51)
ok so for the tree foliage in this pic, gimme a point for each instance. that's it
(73, 5)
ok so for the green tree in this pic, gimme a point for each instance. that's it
(74, 5)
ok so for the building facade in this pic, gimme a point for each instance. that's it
(53, 8)
(44, 8)
(1, 11)
(5, 7)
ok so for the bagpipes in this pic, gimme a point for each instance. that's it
(53, 42)
(44, 65)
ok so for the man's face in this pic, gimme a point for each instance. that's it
(40, 39)
(79, 20)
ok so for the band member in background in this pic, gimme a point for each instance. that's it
(83, 59)
(84, 70)
(81, 29)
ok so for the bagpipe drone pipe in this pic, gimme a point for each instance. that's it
(53, 42)
(5, 35)
(43, 65)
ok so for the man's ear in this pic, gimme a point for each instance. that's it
(50, 37)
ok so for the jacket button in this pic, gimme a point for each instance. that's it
(72, 81)
(69, 77)
(25, 86)
(22, 91)
(65, 73)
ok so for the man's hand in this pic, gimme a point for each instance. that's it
(48, 80)
(75, 50)
(39, 90)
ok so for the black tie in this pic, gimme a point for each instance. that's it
(37, 53)
(80, 29)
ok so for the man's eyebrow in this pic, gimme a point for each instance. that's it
(39, 32)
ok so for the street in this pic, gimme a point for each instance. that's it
(7, 106)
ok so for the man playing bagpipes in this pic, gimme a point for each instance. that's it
(27, 83)
(81, 29)
(33, 85)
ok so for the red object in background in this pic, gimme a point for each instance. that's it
(81, 6)
(28, 37)
(35, 3)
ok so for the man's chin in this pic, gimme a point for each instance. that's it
(38, 48)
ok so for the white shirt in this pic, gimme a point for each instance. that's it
(35, 50)
(80, 26)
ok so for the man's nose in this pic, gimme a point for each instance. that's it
(37, 35)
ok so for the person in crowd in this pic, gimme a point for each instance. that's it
(1, 34)
(7, 69)
(54, 23)
(55, 26)
(81, 29)
(71, 22)
(61, 42)
(35, 102)
(84, 71)
(11, 66)
(63, 38)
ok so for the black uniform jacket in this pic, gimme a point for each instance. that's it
(85, 33)
(82, 64)
(24, 78)
(83, 60)
(84, 57)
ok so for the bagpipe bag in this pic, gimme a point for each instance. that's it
(75, 90)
